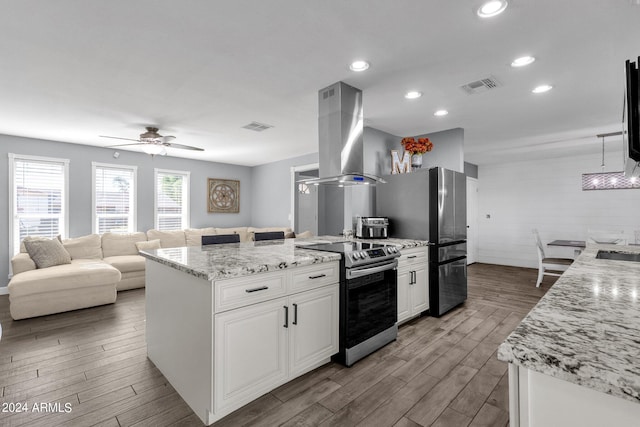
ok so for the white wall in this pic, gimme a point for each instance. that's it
(547, 195)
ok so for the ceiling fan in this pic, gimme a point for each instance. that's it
(153, 143)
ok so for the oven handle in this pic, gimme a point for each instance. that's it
(355, 273)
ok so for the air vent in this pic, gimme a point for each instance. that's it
(327, 93)
(257, 127)
(482, 85)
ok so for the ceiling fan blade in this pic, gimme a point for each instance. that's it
(168, 138)
(117, 137)
(126, 145)
(183, 147)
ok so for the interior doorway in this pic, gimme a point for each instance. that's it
(472, 220)
(304, 199)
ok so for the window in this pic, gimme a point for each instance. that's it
(171, 200)
(114, 198)
(38, 197)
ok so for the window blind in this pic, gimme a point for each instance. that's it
(39, 199)
(172, 200)
(114, 196)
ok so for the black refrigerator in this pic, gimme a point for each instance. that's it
(432, 205)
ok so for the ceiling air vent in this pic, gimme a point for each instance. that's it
(257, 127)
(482, 85)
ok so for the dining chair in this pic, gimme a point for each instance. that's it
(220, 238)
(549, 266)
(611, 237)
(269, 235)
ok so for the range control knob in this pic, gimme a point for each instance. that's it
(355, 256)
(363, 254)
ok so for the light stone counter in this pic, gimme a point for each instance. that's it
(230, 260)
(586, 329)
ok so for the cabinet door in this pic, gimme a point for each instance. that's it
(313, 318)
(250, 352)
(404, 308)
(420, 289)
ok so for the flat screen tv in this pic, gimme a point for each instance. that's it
(631, 118)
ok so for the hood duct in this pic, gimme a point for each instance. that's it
(340, 131)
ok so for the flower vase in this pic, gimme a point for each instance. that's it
(416, 161)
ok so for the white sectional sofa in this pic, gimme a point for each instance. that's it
(100, 266)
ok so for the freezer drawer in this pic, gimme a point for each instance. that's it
(448, 287)
(450, 252)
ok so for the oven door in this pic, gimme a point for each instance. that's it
(371, 301)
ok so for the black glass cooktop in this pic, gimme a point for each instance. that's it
(343, 247)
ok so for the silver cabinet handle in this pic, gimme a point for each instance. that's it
(262, 288)
(318, 276)
(295, 314)
(412, 256)
(286, 316)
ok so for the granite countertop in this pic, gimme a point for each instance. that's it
(230, 260)
(400, 243)
(586, 329)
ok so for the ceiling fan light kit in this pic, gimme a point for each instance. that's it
(153, 143)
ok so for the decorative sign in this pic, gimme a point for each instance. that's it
(223, 196)
(400, 166)
(608, 181)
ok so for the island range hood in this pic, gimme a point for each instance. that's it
(340, 131)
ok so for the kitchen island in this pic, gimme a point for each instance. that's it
(228, 323)
(575, 358)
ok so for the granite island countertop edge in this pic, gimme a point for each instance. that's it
(586, 329)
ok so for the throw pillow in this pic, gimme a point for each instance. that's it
(47, 253)
(23, 248)
(148, 245)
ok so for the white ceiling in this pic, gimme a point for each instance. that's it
(72, 70)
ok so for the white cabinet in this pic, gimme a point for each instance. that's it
(264, 345)
(413, 283)
(313, 328)
(250, 348)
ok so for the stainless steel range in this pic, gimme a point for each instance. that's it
(368, 297)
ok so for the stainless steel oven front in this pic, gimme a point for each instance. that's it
(368, 310)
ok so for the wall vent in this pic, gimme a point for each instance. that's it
(481, 85)
(257, 127)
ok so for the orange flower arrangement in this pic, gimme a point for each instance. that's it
(421, 146)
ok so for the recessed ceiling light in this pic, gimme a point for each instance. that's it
(441, 113)
(492, 8)
(359, 66)
(413, 94)
(542, 89)
(522, 61)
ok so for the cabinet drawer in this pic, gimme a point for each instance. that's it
(316, 275)
(412, 256)
(242, 291)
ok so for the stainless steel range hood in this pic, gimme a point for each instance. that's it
(340, 131)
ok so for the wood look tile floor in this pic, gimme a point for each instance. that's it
(439, 372)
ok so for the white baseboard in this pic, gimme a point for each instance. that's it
(4, 290)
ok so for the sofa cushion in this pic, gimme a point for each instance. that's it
(193, 236)
(21, 263)
(252, 230)
(80, 273)
(168, 239)
(47, 253)
(126, 263)
(148, 245)
(242, 231)
(121, 244)
(85, 247)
